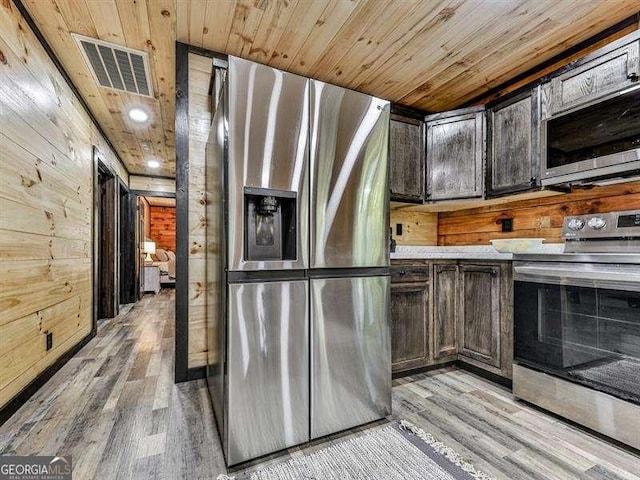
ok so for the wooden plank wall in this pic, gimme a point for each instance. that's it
(541, 217)
(152, 184)
(163, 227)
(200, 69)
(46, 191)
(418, 228)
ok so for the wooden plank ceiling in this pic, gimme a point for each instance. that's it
(431, 54)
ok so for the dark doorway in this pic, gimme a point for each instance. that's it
(129, 263)
(105, 231)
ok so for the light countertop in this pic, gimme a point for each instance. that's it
(467, 252)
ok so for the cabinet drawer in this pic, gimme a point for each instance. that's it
(409, 273)
(597, 78)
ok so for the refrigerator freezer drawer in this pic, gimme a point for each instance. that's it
(268, 362)
(349, 221)
(350, 353)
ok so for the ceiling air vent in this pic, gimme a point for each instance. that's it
(116, 67)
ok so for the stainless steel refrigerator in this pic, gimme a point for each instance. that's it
(299, 347)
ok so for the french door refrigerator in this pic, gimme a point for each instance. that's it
(299, 346)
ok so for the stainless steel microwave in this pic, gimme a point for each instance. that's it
(596, 141)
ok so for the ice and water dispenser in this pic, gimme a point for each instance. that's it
(270, 224)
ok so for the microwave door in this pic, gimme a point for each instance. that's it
(596, 141)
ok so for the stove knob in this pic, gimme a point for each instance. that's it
(575, 224)
(597, 223)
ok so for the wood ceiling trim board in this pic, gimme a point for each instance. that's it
(332, 21)
(507, 55)
(303, 18)
(450, 45)
(217, 31)
(274, 21)
(353, 32)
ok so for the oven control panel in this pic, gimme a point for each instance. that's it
(614, 225)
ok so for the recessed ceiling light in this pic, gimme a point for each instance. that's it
(138, 115)
(153, 164)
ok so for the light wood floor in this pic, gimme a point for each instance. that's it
(114, 407)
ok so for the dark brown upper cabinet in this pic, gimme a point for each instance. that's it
(455, 154)
(406, 155)
(601, 73)
(513, 144)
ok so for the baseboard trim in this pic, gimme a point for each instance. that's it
(27, 392)
(492, 377)
(418, 370)
(196, 373)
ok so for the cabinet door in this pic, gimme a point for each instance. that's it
(513, 150)
(445, 315)
(480, 313)
(409, 320)
(596, 78)
(406, 157)
(455, 156)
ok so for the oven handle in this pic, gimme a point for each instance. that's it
(610, 276)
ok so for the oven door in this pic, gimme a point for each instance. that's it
(580, 322)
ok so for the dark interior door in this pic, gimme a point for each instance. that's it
(106, 239)
(128, 256)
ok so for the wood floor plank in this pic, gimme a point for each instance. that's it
(115, 409)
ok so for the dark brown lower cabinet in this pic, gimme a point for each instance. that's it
(445, 310)
(409, 330)
(452, 310)
(480, 313)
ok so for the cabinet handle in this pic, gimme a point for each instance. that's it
(534, 180)
(494, 272)
(402, 272)
(633, 76)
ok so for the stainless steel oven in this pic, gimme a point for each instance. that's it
(577, 325)
(596, 141)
